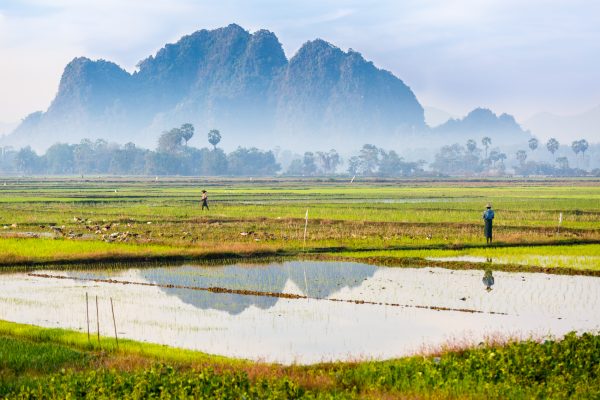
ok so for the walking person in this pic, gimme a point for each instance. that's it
(488, 217)
(204, 200)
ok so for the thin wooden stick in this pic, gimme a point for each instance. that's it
(114, 323)
(559, 222)
(305, 227)
(87, 315)
(97, 320)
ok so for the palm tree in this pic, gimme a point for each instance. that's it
(214, 137)
(521, 156)
(471, 145)
(579, 146)
(187, 131)
(533, 144)
(552, 145)
(583, 146)
(576, 147)
(486, 142)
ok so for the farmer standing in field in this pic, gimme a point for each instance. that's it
(488, 216)
(204, 200)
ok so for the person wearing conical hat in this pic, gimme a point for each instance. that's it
(488, 217)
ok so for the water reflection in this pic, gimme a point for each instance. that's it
(488, 279)
(311, 279)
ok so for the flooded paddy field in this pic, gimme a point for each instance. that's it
(305, 311)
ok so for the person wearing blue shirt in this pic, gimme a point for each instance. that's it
(488, 217)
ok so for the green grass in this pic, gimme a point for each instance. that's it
(389, 217)
(578, 257)
(57, 364)
(21, 356)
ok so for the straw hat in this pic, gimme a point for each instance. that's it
(488, 205)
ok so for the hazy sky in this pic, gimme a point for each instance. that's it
(515, 56)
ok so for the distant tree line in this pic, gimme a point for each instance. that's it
(370, 161)
(173, 156)
(469, 159)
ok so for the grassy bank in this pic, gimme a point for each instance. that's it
(52, 363)
(36, 251)
(572, 258)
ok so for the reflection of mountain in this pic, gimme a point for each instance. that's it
(315, 279)
(322, 279)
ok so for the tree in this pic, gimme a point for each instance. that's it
(328, 161)
(583, 146)
(563, 163)
(552, 145)
(214, 162)
(128, 159)
(170, 141)
(533, 144)
(501, 158)
(471, 145)
(187, 131)
(576, 147)
(59, 159)
(455, 159)
(353, 165)
(27, 160)
(579, 146)
(486, 142)
(309, 166)
(214, 137)
(83, 155)
(295, 167)
(494, 156)
(251, 162)
(521, 156)
(369, 159)
(392, 165)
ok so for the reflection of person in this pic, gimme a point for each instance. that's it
(205, 200)
(488, 279)
(488, 216)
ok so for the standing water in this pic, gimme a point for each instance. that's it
(304, 311)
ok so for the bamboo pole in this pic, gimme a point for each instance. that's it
(97, 320)
(305, 228)
(114, 322)
(87, 316)
(560, 218)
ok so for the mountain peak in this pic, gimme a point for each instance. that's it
(317, 47)
(479, 122)
(240, 83)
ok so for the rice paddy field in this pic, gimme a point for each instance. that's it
(80, 220)
(290, 288)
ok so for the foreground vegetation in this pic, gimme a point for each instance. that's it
(53, 363)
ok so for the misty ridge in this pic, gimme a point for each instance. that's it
(321, 101)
